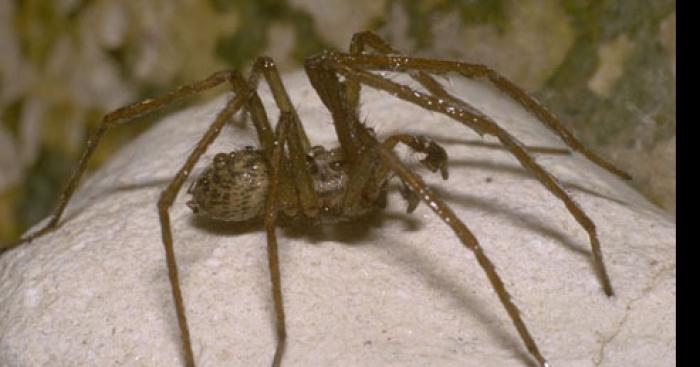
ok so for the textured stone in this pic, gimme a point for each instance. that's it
(392, 290)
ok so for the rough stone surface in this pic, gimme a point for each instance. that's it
(393, 290)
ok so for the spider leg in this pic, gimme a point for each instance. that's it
(302, 176)
(271, 208)
(331, 90)
(393, 60)
(297, 141)
(287, 195)
(417, 185)
(290, 132)
(166, 199)
(245, 96)
(480, 123)
(325, 81)
(266, 66)
(118, 117)
(363, 185)
(359, 43)
(362, 40)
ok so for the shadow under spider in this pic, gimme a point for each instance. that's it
(517, 170)
(405, 258)
(480, 143)
(359, 231)
(518, 218)
(513, 169)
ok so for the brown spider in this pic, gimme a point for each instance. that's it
(289, 177)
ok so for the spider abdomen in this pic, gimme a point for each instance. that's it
(233, 188)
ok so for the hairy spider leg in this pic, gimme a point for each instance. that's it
(120, 116)
(166, 200)
(358, 45)
(287, 195)
(418, 186)
(274, 150)
(362, 167)
(346, 64)
(362, 40)
(332, 94)
(266, 67)
(290, 133)
(297, 140)
(271, 209)
(368, 38)
(325, 82)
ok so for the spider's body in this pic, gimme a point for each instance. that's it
(234, 186)
(288, 175)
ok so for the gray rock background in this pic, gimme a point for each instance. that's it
(394, 290)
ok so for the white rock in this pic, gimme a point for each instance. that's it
(396, 290)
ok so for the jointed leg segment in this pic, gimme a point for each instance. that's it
(289, 132)
(274, 149)
(271, 209)
(166, 199)
(345, 65)
(297, 141)
(245, 96)
(332, 92)
(342, 99)
(118, 117)
(358, 46)
(393, 59)
(418, 186)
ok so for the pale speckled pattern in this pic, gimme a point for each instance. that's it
(398, 290)
(232, 188)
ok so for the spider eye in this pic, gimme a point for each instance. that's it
(220, 160)
(337, 165)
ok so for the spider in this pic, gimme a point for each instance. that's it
(288, 178)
